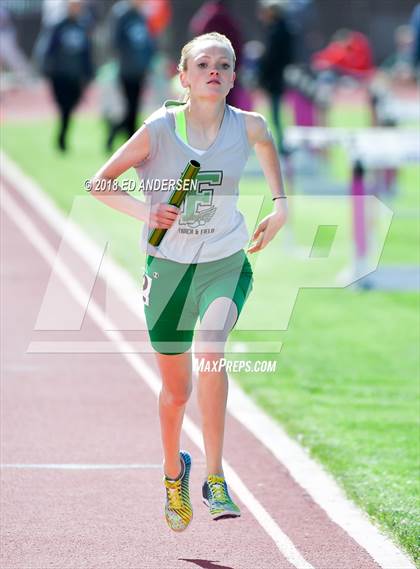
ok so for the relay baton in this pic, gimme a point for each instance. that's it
(177, 197)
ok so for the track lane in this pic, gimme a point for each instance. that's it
(77, 408)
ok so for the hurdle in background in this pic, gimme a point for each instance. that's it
(369, 150)
(388, 110)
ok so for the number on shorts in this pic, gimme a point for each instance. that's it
(147, 285)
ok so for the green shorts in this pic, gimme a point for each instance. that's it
(176, 294)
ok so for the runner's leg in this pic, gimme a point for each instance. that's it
(175, 371)
(212, 334)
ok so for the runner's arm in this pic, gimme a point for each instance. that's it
(104, 186)
(260, 137)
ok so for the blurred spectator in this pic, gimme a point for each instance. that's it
(415, 25)
(54, 11)
(304, 20)
(278, 54)
(252, 53)
(134, 47)
(11, 56)
(214, 16)
(67, 63)
(158, 14)
(348, 53)
(399, 65)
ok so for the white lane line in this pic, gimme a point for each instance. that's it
(320, 485)
(76, 466)
(322, 488)
(38, 241)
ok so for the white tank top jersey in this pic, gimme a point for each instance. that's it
(210, 227)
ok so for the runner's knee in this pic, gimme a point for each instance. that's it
(176, 397)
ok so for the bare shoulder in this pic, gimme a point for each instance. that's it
(256, 127)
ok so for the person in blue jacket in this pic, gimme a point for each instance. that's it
(278, 54)
(134, 48)
(67, 63)
(415, 24)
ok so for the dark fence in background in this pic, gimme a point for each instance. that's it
(376, 18)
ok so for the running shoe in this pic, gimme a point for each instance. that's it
(178, 509)
(216, 498)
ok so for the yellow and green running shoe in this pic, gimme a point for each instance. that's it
(178, 509)
(216, 497)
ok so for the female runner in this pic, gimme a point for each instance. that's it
(200, 269)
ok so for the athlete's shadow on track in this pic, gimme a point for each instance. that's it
(204, 564)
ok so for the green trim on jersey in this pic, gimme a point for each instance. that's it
(181, 126)
(180, 120)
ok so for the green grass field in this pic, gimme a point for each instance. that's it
(347, 380)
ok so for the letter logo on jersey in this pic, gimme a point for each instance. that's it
(198, 208)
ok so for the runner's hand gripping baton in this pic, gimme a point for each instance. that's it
(177, 197)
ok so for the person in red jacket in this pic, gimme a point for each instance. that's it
(348, 53)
